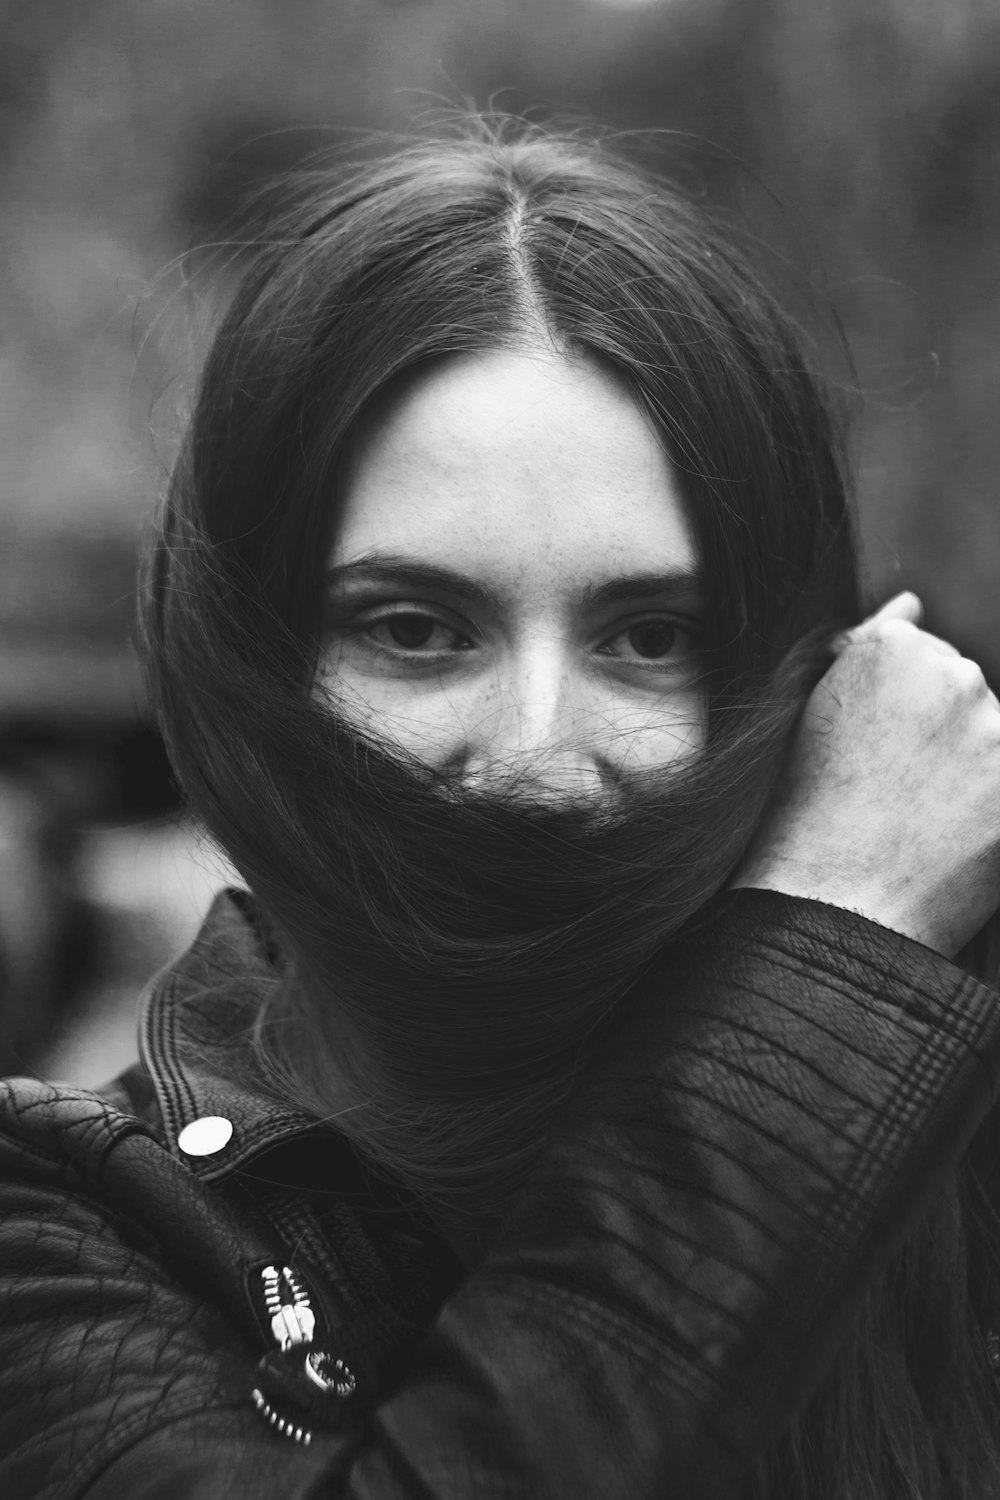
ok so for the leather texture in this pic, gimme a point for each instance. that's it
(787, 1091)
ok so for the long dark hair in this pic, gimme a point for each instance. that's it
(448, 963)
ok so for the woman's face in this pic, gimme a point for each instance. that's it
(514, 587)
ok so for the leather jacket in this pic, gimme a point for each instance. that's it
(788, 1089)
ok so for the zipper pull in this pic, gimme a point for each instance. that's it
(292, 1322)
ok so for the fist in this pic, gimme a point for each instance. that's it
(889, 804)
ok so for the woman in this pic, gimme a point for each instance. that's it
(584, 1101)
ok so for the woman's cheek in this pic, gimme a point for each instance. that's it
(424, 720)
(648, 737)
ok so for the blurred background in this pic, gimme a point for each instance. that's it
(860, 138)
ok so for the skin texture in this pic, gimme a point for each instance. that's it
(535, 477)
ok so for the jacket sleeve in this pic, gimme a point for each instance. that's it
(785, 1096)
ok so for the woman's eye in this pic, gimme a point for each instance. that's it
(649, 641)
(653, 638)
(408, 630)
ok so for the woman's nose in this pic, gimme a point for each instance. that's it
(537, 734)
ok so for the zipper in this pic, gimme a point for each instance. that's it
(293, 1324)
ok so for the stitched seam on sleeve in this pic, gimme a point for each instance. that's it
(835, 983)
(963, 985)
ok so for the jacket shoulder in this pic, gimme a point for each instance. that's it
(130, 1314)
(55, 1128)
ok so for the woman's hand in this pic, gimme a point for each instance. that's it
(890, 802)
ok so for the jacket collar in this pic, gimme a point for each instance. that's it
(195, 1026)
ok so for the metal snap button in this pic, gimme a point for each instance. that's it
(205, 1136)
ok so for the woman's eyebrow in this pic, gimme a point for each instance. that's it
(678, 586)
(675, 585)
(403, 572)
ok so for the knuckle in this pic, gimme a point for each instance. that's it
(988, 717)
(894, 630)
(882, 635)
(967, 674)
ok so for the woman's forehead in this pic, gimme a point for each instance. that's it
(509, 463)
